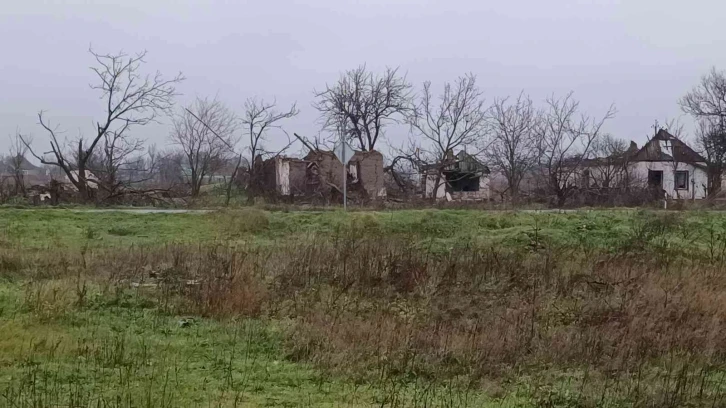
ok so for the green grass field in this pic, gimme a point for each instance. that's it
(405, 308)
(43, 229)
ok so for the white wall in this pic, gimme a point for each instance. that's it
(484, 186)
(638, 177)
(697, 183)
(282, 173)
(431, 184)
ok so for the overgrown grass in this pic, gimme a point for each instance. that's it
(79, 343)
(441, 229)
(410, 308)
(118, 351)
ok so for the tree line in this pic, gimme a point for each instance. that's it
(514, 136)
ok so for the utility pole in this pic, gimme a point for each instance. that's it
(345, 180)
(344, 160)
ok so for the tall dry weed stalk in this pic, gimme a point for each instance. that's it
(638, 324)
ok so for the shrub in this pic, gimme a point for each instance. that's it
(118, 231)
(366, 222)
(244, 221)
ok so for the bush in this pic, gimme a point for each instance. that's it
(118, 231)
(245, 221)
(366, 222)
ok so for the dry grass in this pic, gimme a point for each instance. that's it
(564, 326)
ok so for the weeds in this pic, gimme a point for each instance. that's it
(534, 324)
(246, 221)
(119, 231)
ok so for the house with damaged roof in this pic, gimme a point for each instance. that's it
(460, 177)
(665, 164)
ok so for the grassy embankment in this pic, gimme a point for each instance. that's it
(408, 308)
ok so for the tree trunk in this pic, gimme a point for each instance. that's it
(714, 180)
(196, 183)
(513, 189)
(561, 199)
(232, 179)
(82, 184)
(54, 192)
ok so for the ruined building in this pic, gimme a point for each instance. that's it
(320, 174)
(461, 177)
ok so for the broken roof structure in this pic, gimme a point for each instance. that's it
(666, 147)
(665, 164)
(458, 177)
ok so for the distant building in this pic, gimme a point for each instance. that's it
(461, 177)
(32, 174)
(665, 164)
(320, 173)
(222, 172)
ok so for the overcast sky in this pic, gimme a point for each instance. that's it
(641, 55)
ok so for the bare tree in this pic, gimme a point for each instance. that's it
(565, 140)
(259, 119)
(205, 132)
(514, 149)
(119, 155)
(708, 98)
(455, 119)
(130, 99)
(365, 102)
(611, 167)
(18, 152)
(674, 126)
(405, 165)
(169, 168)
(711, 141)
(706, 103)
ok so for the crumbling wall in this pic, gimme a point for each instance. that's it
(365, 172)
(282, 175)
(480, 195)
(298, 173)
(320, 173)
(328, 169)
(265, 180)
(369, 173)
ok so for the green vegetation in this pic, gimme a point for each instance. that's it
(120, 352)
(444, 229)
(450, 308)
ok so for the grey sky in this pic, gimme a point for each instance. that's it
(641, 55)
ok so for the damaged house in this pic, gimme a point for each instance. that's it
(670, 165)
(665, 164)
(320, 174)
(460, 177)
